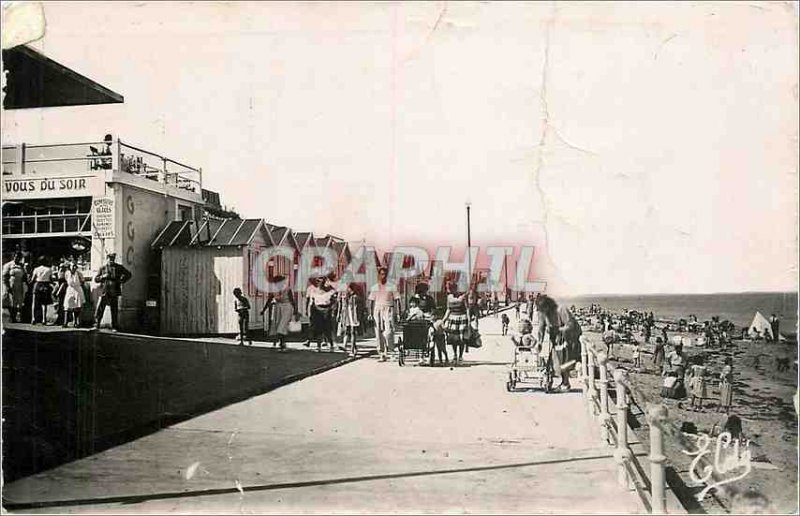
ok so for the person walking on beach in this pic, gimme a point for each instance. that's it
(697, 386)
(242, 306)
(726, 386)
(15, 284)
(658, 354)
(111, 277)
(775, 325)
(382, 297)
(635, 354)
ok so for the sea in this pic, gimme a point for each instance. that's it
(738, 308)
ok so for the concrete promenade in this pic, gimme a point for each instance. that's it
(367, 437)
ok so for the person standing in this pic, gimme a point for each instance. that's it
(348, 319)
(111, 277)
(726, 386)
(504, 321)
(564, 333)
(456, 321)
(320, 304)
(283, 309)
(516, 309)
(242, 307)
(42, 277)
(382, 297)
(74, 297)
(775, 325)
(15, 283)
(60, 294)
(658, 354)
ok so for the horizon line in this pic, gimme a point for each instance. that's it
(684, 293)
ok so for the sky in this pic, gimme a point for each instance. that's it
(641, 147)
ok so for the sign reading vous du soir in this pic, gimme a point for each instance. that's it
(62, 186)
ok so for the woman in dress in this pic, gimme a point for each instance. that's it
(15, 283)
(726, 386)
(73, 297)
(564, 336)
(348, 319)
(283, 309)
(697, 386)
(456, 321)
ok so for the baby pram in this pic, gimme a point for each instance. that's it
(532, 365)
(413, 343)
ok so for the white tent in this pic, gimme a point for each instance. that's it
(761, 326)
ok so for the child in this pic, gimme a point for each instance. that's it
(242, 307)
(414, 311)
(504, 320)
(637, 364)
(437, 342)
(697, 385)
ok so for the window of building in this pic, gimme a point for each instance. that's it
(43, 216)
(185, 212)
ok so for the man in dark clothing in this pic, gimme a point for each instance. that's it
(775, 325)
(111, 277)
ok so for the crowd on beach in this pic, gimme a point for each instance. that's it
(683, 376)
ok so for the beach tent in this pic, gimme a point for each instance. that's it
(761, 325)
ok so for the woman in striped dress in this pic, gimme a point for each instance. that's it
(456, 321)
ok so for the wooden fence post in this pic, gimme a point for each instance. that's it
(655, 415)
(622, 455)
(605, 417)
(584, 367)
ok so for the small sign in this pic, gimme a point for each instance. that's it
(103, 217)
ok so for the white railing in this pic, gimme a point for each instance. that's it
(595, 385)
(85, 157)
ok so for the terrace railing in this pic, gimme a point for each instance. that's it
(92, 157)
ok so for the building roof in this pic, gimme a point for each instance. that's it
(211, 233)
(322, 241)
(36, 81)
(303, 239)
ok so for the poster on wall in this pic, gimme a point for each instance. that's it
(103, 217)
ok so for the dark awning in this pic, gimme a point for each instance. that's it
(36, 81)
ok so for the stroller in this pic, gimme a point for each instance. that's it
(414, 341)
(532, 364)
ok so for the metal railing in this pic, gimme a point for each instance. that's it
(91, 157)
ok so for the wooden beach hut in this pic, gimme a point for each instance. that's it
(201, 264)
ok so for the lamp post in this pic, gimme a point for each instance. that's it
(469, 251)
(505, 284)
